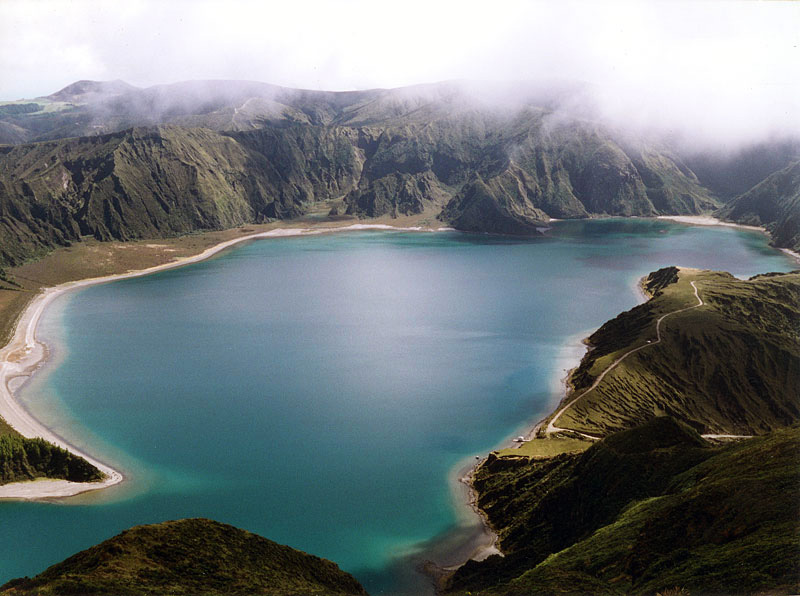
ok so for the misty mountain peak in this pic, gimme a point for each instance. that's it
(86, 91)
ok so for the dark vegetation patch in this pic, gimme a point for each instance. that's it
(28, 459)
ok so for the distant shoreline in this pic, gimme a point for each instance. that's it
(23, 356)
(707, 220)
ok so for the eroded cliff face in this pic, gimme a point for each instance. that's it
(473, 169)
(165, 181)
(210, 155)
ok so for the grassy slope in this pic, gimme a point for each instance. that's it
(729, 367)
(192, 557)
(726, 525)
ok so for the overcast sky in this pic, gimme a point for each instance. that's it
(722, 67)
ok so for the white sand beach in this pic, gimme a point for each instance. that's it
(707, 220)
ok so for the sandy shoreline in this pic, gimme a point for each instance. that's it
(24, 355)
(707, 220)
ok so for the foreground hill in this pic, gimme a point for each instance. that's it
(236, 153)
(192, 557)
(642, 511)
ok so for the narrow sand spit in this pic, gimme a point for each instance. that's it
(707, 220)
(18, 360)
(24, 355)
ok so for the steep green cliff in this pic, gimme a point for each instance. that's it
(773, 204)
(150, 183)
(643, 511)
(192, 557)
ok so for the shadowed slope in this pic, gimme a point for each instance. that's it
(642, 511)
(191, 556)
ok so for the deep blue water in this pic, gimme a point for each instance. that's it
(319, 390)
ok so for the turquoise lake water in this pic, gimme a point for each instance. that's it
(320, 390)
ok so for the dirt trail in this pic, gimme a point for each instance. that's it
(552, 428)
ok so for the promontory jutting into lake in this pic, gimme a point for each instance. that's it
(324, 390)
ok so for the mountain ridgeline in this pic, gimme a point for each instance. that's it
(773, 203)
(731, 366)
(203, 156)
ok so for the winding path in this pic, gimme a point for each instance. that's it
(552, 428)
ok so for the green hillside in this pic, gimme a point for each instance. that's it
(192, 557)
(731, 366)
(774, 204)
(653, 505)
(644, 511)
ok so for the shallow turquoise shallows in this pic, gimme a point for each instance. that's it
(320, 390)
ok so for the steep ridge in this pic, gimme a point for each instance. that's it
(729, 174)
(151, 183)
(774, 204)
(192, 557)
(655, 506)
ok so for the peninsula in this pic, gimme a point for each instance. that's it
(678, 436)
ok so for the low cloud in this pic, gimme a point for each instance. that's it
(712, 73)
